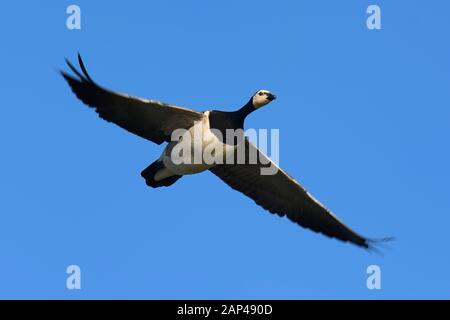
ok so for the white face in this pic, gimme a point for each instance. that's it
(262, 97)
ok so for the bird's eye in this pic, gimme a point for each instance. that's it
(261, 93)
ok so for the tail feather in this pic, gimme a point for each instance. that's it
(149, 175)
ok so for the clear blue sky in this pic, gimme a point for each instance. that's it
(364, 119)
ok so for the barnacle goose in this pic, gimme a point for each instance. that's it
(156, 121)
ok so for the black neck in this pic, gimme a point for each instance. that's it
(222, 121)
(243, 112)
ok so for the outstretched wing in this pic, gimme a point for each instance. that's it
(149, 119)
(281, 194)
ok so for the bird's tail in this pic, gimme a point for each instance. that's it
(149, 175)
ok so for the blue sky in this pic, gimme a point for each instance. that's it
(364, 123)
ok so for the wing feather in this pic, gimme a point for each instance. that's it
(282, 195)
(149, 119)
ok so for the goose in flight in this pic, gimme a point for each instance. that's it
(278, 193)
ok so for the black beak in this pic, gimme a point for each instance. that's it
(271, 97)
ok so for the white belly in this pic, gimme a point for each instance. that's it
(194, 155)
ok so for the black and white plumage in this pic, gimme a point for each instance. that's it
(155, 121)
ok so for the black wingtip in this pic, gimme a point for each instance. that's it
(375, 245)
(80, 60)
(74, 70)
(64, 74)
(83, 75)
(83, 68)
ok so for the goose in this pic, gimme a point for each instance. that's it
(156, 121)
